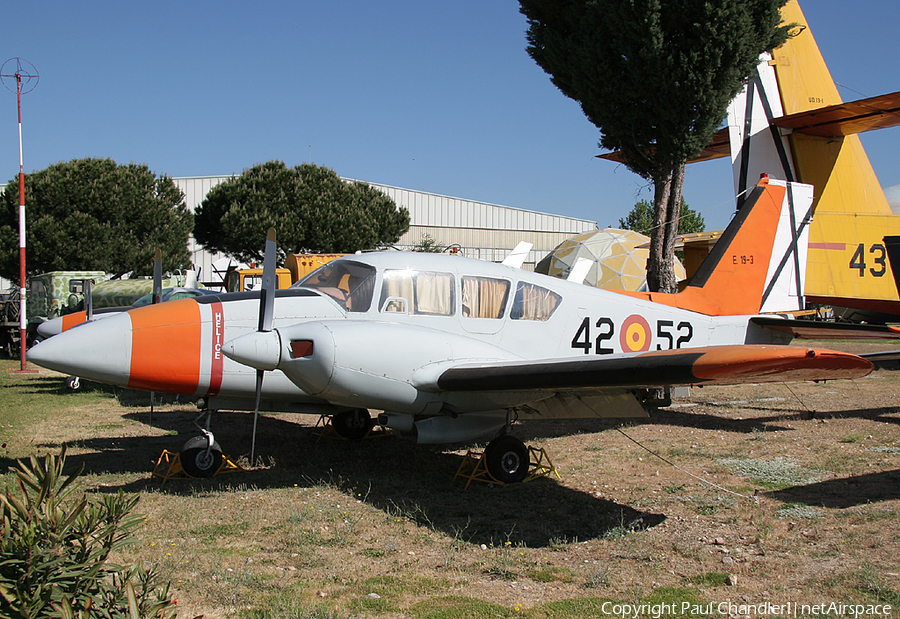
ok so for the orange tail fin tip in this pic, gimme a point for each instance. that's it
(759, 262)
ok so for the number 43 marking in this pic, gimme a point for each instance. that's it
(858, 261)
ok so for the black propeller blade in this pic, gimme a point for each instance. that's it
(266, 309)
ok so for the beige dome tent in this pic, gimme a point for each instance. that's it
(619, 257)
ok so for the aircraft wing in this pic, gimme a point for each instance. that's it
(810, 329)
(843, 119)
(723, 365)
(719, 147)
(831, 121)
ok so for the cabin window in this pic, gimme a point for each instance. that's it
(417, 292)
(533, 303)
(484, 297)
(351, 284)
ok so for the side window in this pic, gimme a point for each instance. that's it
(417, 293)
(484, 297)
(434, 294)
(533, 303)
(396, 291)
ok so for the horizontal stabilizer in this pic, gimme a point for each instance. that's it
(810, 329)
(580, 270)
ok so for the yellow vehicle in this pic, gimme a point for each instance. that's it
(301, 265)
(296, 267)
(238, 280)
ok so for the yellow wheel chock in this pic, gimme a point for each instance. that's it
(169, 467)
(474, 468)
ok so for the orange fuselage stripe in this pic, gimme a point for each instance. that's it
(70, 320)
(165, 347)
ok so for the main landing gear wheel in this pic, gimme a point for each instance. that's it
(507, 459)
(353, 424)
(198, 460)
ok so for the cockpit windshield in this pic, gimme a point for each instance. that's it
(349, 283)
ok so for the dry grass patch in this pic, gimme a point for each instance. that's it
(333, 529)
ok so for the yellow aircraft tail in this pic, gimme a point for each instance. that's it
(790, 122)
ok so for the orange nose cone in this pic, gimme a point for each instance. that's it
(165, 348)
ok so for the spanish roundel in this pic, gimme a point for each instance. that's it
(635, 334)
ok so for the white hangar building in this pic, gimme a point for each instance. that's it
(480, 230)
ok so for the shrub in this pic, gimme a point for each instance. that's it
(54, 546)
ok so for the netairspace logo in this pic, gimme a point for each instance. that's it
(763, 609)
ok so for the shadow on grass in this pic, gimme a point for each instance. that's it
(394, 475)
(54, 385)
(844, 492)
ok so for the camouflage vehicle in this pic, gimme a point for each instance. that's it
(9, 321)
(124, 292)
(58, 292)
(49, 295)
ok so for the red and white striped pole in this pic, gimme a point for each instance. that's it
(23, 316)
(31, 77)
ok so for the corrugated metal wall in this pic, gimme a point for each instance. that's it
(480, 230)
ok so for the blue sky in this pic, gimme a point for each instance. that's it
(434, 96)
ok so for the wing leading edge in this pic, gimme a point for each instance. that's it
(722, 365)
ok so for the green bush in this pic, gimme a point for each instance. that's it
(54, 546)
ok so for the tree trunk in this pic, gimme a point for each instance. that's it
(666, 214)
(655, 266)
(669, 283)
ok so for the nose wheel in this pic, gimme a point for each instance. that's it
(201, 456)
(507, 459)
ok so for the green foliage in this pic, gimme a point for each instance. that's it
(92, 214)
(54, 547)
(310, 207)
(640, 219)
(429, 245)
(655, 77)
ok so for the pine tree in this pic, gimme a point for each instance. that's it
(310, 207)
(655, 77)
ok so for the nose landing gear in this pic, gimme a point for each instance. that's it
(507, 459)
(201, 456)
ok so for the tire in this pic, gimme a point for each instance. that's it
(73, 383)
(195, 460)
(353, 425)
(507, 459)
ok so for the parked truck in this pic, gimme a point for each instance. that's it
(124, 292)
(296, 267)
(49, 295)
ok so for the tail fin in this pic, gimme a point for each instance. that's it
(820, 149)
(759, 262)
(790, 123)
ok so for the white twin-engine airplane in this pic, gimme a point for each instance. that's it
(451, 348)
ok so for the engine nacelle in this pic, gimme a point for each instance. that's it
(334, 360)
